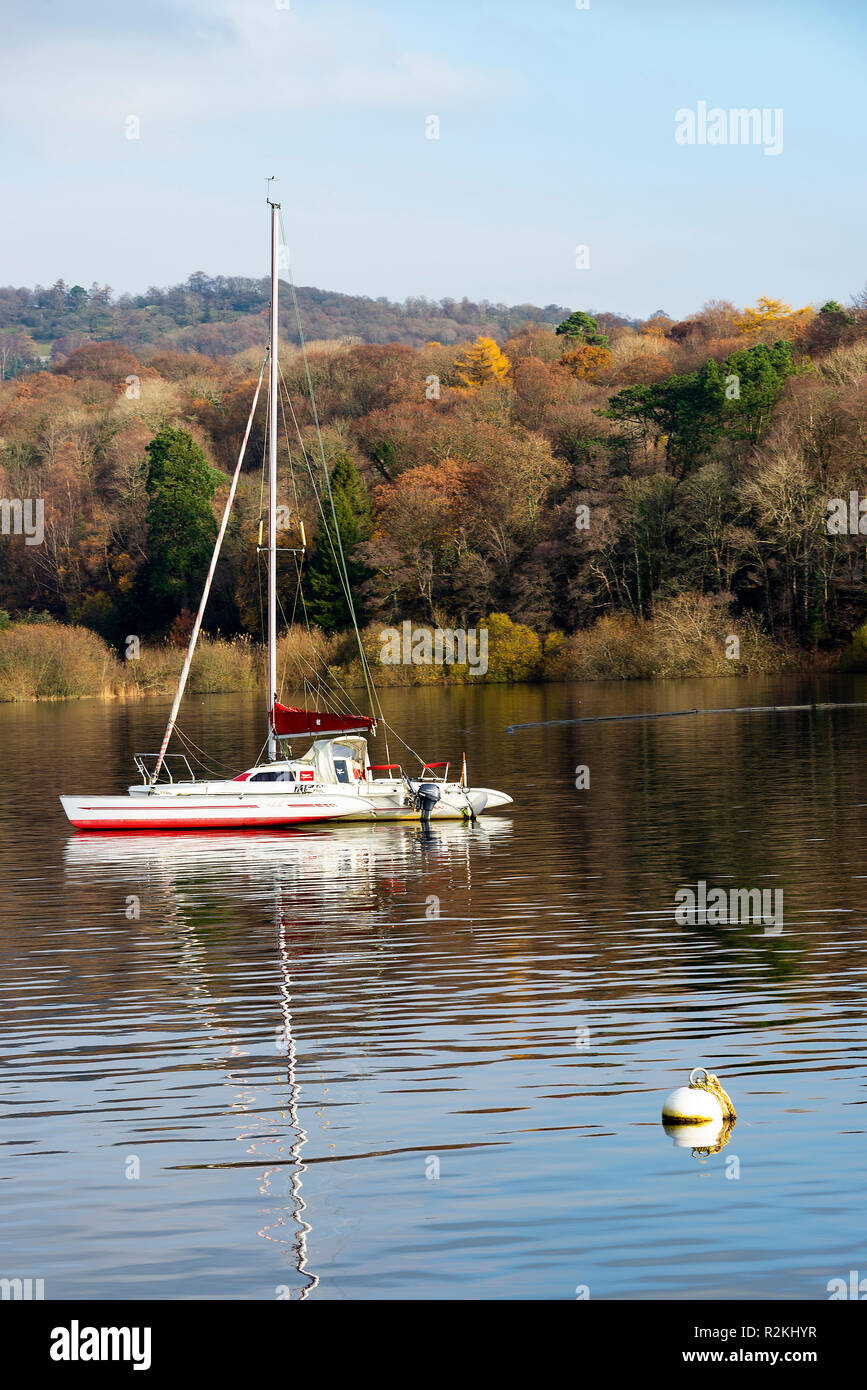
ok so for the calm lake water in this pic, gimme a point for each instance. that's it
(369, 1062)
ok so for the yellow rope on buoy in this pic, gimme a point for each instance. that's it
(712, 1086)
(701, 1102)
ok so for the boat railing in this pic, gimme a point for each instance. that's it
(432, 766)
(385, 767)
(142, 759)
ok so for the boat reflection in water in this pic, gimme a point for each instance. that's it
(190, 885)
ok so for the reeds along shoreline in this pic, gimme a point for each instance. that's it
(50, 661)
(691, 635)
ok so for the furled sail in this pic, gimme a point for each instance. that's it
(287, 721)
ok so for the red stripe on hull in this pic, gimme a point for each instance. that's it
(176, 821)
(204, 824)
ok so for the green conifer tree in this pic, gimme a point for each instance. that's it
(326, 601)
(180, 521)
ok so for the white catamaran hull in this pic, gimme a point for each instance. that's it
(214, 806)
(158, 811)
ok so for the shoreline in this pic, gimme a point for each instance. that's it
(66, 663)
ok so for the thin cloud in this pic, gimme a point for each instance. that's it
(224, 63)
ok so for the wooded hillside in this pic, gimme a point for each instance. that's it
(567, 475)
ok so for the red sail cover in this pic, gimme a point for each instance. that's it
(318, 723)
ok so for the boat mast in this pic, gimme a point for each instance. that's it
(272, 487)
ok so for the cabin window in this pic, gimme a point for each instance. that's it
(342, 770)
(279, 776)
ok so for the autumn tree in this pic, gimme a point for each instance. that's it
(832, 325)
(587, 361)
(17, 352)
(712, 539)
(481, 363)
(109, 362)
(659, 325)
(796, 551)
(647, 521)
(771, 316)
(717, 319)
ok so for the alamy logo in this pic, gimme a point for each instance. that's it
(77, 1343)
(423, 646)
(856, 1287)
(738, 126)
(847, 519)
(698, 907)
(22, 1288)
(23, 517)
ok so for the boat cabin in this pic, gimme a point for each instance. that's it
(344, 761)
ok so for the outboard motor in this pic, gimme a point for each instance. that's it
(425, 796)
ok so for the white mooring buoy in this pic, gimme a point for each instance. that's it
(689, 1105)
(698, 1114)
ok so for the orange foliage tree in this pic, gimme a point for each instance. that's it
(587, 362)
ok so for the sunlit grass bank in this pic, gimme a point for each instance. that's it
(50, 661)
(691, 635)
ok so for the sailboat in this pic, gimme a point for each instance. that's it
(334, 778)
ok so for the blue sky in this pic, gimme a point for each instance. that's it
(556, 129)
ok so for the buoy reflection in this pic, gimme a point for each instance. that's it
(704, 1138)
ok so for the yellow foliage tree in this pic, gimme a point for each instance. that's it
(481, 363)
(514, 650)
(772, 314)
